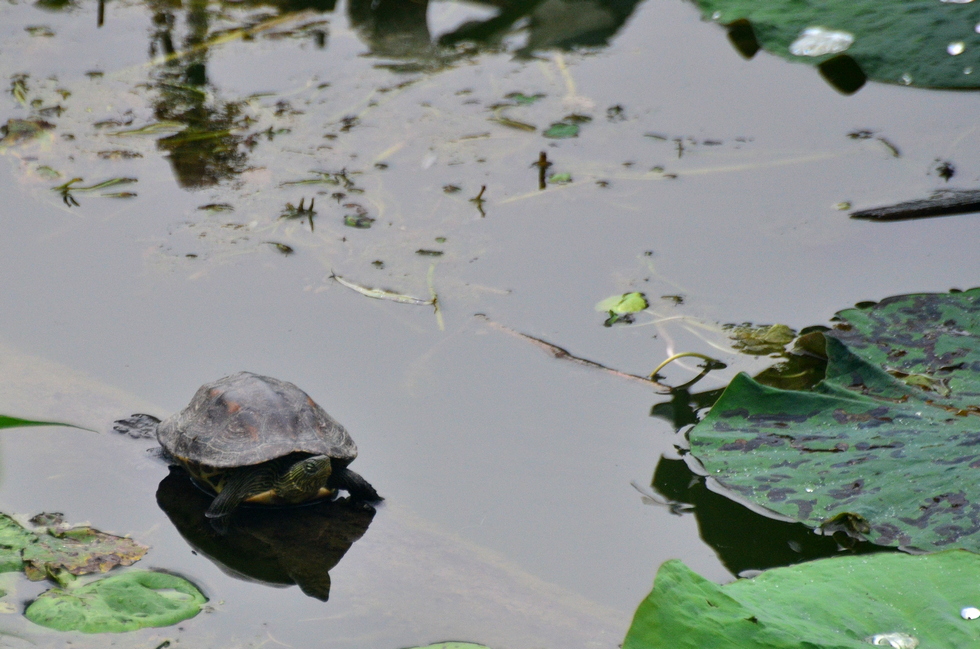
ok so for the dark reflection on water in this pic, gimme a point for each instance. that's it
(275, 546)
(743, 539)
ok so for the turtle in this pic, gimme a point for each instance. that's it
(249, 438)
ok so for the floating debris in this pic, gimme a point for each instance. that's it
(281, 247)
(155, 128)
(382, 294)
(217, 207)
(67, 188)
(564, 354)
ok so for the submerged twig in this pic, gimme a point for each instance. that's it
(711, 363)
(478, 200)
(435, 298)
(944, 202)
(561, 353)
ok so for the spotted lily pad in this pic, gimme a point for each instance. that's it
(891, 600)
(126, 602)
(886, 447)
(925, 43)
(78, 551)
(60, 551)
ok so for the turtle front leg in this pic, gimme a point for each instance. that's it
(239, 487)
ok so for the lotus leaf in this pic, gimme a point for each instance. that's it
(887, 446)
(843, 602)
(126, 602)
(924, 43)
(61, 551)
(453, 645)
(78, 551)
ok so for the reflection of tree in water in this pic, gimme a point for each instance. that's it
(564, 24)
(206, 151)
(211, 147)
(399, 28)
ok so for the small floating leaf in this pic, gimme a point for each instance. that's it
(521, 98)
(625, 303)
(560, 179)
(126, 602)
(560, 130)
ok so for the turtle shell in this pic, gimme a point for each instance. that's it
(246, 419)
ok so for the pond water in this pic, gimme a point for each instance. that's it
(511, 517)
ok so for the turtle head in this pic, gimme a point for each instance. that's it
(302, 479)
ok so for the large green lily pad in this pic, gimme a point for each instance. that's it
(892, 600)
(126, 602)
(925, 43)
(886, 446)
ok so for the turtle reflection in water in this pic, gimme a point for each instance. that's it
(254, 439)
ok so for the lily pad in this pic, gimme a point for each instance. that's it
(760, 340)
(78, 551)
(837, 603)
(125, 602)
(886, 447)
(453, 645)
(924, 43)
(62, 551)
(13, 539)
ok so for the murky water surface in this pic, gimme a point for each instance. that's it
(511, 517)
